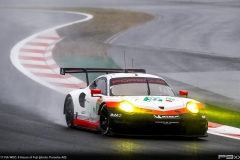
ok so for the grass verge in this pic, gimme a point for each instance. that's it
(222, 116)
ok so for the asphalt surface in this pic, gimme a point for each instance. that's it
(31, 119)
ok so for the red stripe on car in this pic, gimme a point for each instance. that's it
(112, 104)
(171, 112)
(150, 111)
(86, 124)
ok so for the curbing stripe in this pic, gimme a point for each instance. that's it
(213, 125)
(27, 46)
(223, 130)
(33, 57)
(32, 50)
(37, 44)
(32, 62)
(32, 54)
(35, 66)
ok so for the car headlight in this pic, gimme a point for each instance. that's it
(192, 107)
(126, 106)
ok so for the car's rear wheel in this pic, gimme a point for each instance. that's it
(69, 111)
(104, 120)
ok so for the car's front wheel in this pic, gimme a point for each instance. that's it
(104, 120)
(69, 111)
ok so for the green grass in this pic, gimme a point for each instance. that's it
(222, 116)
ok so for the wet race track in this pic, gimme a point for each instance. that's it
(188, 43)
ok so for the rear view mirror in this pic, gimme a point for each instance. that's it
(96, 91)
(183, 93)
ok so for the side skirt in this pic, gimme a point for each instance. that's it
(94, 126)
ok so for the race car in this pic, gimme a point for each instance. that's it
(132, 102)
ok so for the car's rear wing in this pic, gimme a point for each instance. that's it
(99, 70)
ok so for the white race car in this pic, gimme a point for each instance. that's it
(131, 102)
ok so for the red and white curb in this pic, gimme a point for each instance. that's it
(223, 130)
(33, 57)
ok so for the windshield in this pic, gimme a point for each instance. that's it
(139, 87)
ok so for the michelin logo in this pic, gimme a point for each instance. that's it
(166, 117)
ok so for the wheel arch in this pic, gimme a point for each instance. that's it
(100, 107)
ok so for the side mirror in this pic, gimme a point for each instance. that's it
(183, 93)
(96, 91)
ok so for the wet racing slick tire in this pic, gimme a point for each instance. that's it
(104, 120)
(69, 111)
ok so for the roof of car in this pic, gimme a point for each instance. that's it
(119, 75)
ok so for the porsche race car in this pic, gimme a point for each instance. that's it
(131, 102)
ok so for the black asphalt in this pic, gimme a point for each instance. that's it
(31, 120)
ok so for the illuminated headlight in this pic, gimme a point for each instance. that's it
(192, 107)
(126, 106)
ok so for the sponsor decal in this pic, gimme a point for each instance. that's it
(166, 122)
(151, 99)
(116, 81)
(115, 115)
(168, 99)
(89, 109)
(166, 117)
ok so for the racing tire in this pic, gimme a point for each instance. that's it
(69, 112)
(104, 120)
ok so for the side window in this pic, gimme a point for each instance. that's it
(102, 84)
(93, 85)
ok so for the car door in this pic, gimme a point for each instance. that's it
(83, 113)
(100, 83)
